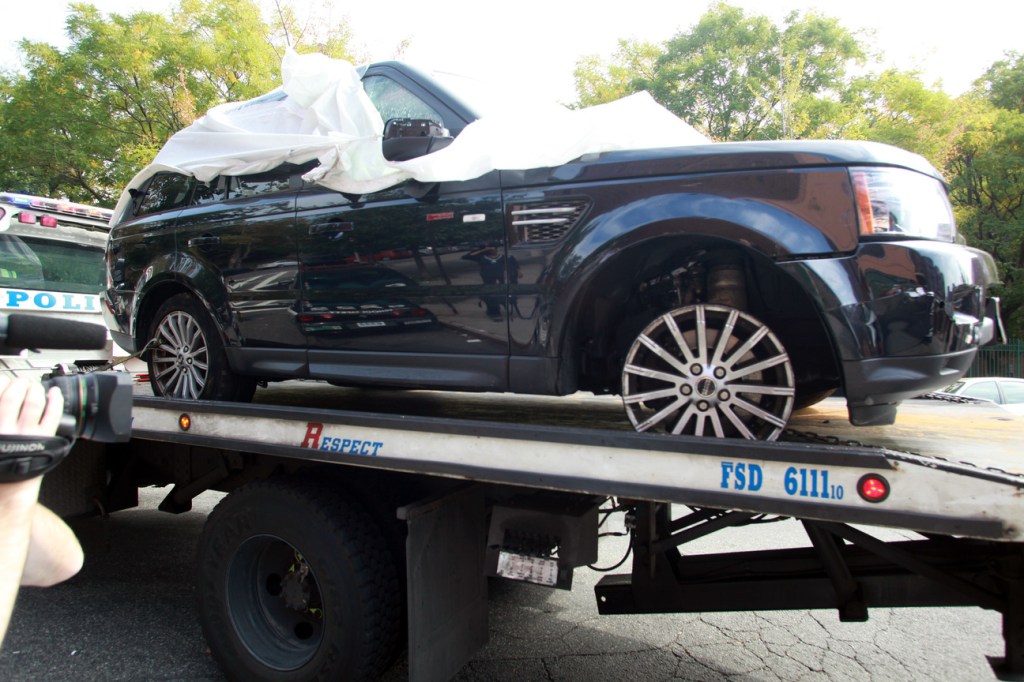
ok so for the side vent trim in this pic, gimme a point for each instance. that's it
(546, 222)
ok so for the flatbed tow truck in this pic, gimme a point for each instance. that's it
(349, 533)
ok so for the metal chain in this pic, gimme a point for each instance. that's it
(794, 436)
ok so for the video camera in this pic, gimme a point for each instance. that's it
(97, 405)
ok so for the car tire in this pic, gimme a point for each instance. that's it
(188, 359)
(807, 400)
(295, 582)
(708, 370)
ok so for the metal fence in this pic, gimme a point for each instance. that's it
(999, 361)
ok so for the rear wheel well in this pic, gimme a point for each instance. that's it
(150, 304)
(668, 273)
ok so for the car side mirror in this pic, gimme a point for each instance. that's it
(410, 138)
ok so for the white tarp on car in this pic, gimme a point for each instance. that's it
(322, 112)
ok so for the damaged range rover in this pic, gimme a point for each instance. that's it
(715, 287)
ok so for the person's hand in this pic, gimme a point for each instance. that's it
(27, 409)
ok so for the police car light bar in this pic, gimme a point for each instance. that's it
(57, 206)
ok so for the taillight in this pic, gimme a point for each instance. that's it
(47, 221)
(862, 193)
(902, 203)
(27, 218)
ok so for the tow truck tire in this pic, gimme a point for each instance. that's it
(295, 582)
(188, 360)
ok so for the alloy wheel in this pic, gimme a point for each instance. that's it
(180, 357)
(708, 370)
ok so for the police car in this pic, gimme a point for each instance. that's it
(51, 263)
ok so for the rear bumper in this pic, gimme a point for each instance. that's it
(905, 317)
(117, 320)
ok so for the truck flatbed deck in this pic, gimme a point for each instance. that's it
(554, 444)
(951, 430)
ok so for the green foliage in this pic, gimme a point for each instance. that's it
(81, 123)
(599, 81)
(739, 77)
(898, 109)
(987, 188)
(1004, 82)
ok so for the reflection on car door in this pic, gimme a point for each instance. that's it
(392, 291)
(241, 231)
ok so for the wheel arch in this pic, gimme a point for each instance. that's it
(151, 301)
(603, 316)
(160, 291)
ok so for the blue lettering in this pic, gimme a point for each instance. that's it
(726, 471)
(15, 298)
(796, 484)
(90, 303)
(45, 300)
(350, 446)
(756, 477)
(69, 302)
(742, 476)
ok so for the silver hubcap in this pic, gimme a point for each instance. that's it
(708, 370)
(180, 358)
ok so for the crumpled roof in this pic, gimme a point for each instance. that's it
(322, 112)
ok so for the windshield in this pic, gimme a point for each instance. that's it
(31, 263)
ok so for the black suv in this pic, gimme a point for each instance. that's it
(715, 287)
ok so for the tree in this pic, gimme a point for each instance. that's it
(81, 123)
(741, 77)
(986, 168)
(599, 81)
(1004, 82)
(897, 108)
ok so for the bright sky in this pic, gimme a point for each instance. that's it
(535, 43)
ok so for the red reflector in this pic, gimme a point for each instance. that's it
(873, 488)
(27, 218)
(47, 221)
(184, 421)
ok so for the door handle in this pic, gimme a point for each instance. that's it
(205, 240)
(333, 227)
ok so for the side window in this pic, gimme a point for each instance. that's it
(164, 192)
(984, 389)
(210, 192)
(1014, 392)
(276, 180)
(395, 101)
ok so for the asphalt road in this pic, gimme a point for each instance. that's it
(130, 615)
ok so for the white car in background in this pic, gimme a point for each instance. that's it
(1006, 392)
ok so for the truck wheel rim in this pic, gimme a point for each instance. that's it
(708, 370)
(181, 357)
(275, 603)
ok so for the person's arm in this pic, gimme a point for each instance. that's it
(54, 554)
(36, 547)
